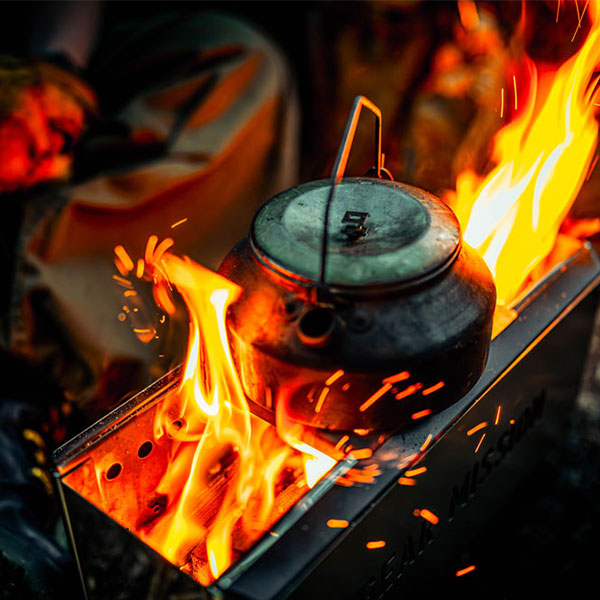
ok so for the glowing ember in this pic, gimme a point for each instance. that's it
(479, 444)
(178, 223)
(376, 544)
(333, 378)
(407, 481)
(466, 570)
(426, 442)
(384, 389)
(497, 419)
(415, 472)
(409, 391)
(361, 453)
(477, 428)
(434, 388)
(512, 215)
(337, 523)
(420, 414)
(426, 514)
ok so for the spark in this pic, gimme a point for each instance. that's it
(426, 442)
(122, 281)
(128, 293)
(370, 401)
(163, 299)
(150, 246)
(557, 13)
(479, 444)
(477, 428)
(321, 399)
(333, 378)
(515, 86)
(397, 377)
(120, 267)
(361, 453)
(502, 103)
(427, 515)
(497, 420)
(121, 317)
(33, 436)
(361, 431)
(139, 273)
(407, 481)
(434, 388)
(178, 223)
(376, 544)
(512, 421)
(162, 248)
(409, 391)
(579, 17)
(342, 441)
(420, 414)
(466, 569)
(415, 472)
(124, 257)
(345, 387)
(337, 523)
(344, 482)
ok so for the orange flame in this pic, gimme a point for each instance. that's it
(512, 215)
(219, 449)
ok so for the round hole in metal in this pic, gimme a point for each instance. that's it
(114, 471)
(145, 449)
(316, 326)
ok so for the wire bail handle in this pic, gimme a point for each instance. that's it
(339, 167)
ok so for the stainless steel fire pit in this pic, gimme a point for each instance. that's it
(396, 533)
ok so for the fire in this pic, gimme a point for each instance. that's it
(218, 449)
(542, 157)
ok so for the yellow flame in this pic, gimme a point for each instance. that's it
(512, 215)
(216, 442)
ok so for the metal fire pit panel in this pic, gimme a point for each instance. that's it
(530, 374)
(533, 373)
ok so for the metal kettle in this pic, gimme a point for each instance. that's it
(362, 307)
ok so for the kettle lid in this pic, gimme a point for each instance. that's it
(380, 233)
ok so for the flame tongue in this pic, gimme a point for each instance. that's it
(219, 449)
(512, 215)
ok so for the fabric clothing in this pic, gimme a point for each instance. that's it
(203, 128)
